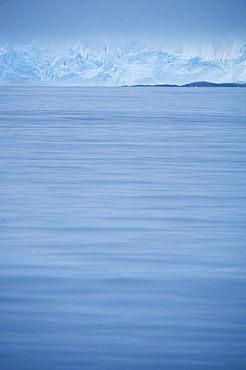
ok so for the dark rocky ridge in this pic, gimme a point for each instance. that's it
(195, 84)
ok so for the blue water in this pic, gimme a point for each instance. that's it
(122, 226)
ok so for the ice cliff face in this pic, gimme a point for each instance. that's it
(122, 64)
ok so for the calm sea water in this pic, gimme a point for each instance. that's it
(122, 226)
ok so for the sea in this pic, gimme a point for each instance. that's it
(122, 228)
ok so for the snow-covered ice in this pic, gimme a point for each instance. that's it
(120, 63)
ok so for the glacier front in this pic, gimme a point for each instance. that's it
(91, 63)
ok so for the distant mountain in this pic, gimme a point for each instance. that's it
(197, 84)
(116, 64)
(211, 84)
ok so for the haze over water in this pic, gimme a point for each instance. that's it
(163, 19)
(122, 228)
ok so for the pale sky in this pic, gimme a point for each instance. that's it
(30, 19)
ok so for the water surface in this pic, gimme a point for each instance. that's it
(122, 227)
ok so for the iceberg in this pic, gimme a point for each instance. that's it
(115, 64)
